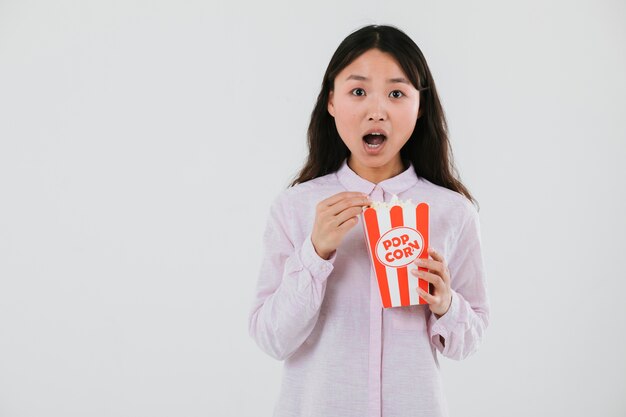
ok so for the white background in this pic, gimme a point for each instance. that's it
(141, 143)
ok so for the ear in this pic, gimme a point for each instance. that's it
(331, 106)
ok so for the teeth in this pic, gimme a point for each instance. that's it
(373, 146)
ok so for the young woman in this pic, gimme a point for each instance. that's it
(377, 130)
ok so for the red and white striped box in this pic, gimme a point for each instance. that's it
(397, 234)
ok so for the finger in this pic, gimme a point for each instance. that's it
(445, 271)
(348, 224)
(437, 256)
(347, 214)
(434, 279)
(346, 203)
(429, 298)
(340, 196)
(430, 264)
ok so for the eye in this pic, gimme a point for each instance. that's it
(399, 92)
(358, 89)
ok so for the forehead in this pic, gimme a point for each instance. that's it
(374, 65)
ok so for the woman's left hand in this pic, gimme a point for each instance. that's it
(437, 274)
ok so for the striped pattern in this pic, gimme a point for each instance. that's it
(397, 285)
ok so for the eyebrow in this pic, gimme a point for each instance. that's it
(390, 80)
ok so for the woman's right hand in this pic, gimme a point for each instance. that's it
(333, 218)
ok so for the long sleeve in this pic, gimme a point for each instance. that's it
(344, 354)
(290, 288)
(463, 326)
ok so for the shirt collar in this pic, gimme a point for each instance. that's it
(394, 185)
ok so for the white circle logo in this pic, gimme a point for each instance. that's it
(399, 246)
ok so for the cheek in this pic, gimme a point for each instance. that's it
(347, 119)
(410, 121)
(408, 117)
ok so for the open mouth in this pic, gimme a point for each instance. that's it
(374, 140)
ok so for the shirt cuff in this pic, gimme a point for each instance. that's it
(445, 324)
(317, 266)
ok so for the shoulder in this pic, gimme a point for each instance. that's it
(452, 215)
(454, 208)
(315, 185)
(300, 201)
(293, 209)
(305, 192)
(445, 195)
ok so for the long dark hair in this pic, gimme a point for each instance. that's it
(428, 148)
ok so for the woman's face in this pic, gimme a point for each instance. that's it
(374, 94)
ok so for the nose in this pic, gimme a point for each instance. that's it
(377, 109)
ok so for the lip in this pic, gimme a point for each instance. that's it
(374, 151)
(376, 130)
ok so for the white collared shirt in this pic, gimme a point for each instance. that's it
(344, 354)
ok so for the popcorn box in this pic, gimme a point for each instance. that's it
(397, 234)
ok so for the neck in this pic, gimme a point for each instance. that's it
(377, 174)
